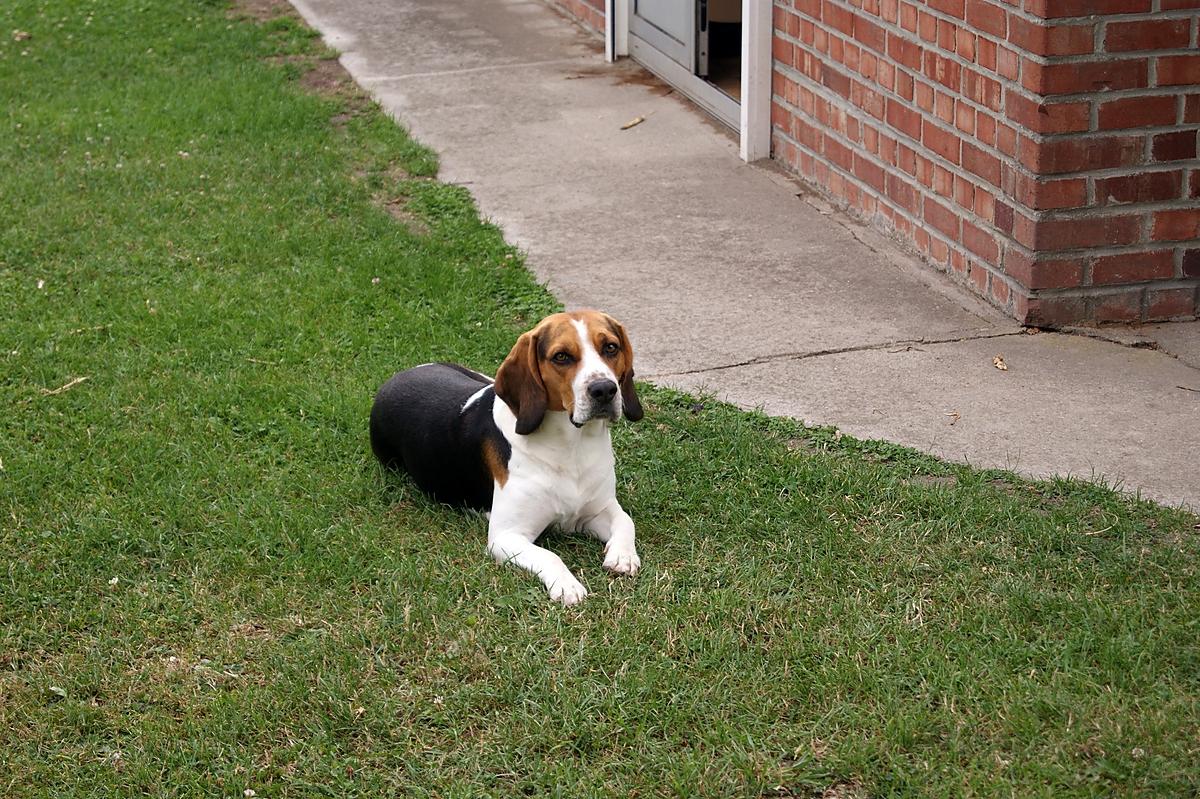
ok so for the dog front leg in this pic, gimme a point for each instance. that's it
(515, 545)
(615, 528)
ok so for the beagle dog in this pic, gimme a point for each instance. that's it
(540, 457)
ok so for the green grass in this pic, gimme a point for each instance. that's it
(207, 586)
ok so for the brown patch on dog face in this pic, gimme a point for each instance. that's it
(559, 356)
(496, 466)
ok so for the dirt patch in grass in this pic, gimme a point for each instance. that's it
(326, 76)
(261, 10)
(397, 208)
(947, 480)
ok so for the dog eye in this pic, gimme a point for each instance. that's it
(610, 348)
(562, 358)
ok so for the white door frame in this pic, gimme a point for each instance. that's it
(755, 123)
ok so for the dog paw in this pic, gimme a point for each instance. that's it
(568, 591)
(623, 561)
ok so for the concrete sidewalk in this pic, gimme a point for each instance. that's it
(733, 278)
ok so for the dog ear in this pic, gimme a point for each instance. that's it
(519, 384)
(630, 404)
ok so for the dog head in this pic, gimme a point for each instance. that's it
(579, 362)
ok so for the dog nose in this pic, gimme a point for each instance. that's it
(602, 390)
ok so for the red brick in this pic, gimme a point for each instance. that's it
(838, 18)
(885, 75)
(947, 35)
(1179, 70)
(999, 290)
(902, 118)
(942, 181)
(869, 34)
(902, 193)
(869, 172)
(1008, 63)
(1174, 146)
(964, 118)
(1053, 311)
(1170, 303)
(1004, 215)
(981, 89)
(1191, 109)
(1085, 76)
(980, 242)
(985, 53)
(942, 142)
(1150, 34)
(964, 44)
(837, 47)
(838, 153)
(987, 17)
(1141, 188)
(1055, 156)
(985, 204)
(904, 85)
(1049, 195)
(1125, 306)
(942, 70)
(1048, 40)
(908, 17)
(1069, 234)
(1051, 9)
(978, 275)
(835, 81)
(1046, 117)
(964, 192)
(943, 106)
(870, 101)
(1194, 184)
(1137, 112)
(1176, 225)
(957, 262)
(978, 162)
(1176, 5)
(1133, 267)
(903, 51)
(810, 7)
(1043, 274)
(924, 96)
(985, 128)
(953, 8)
(941, 218)
(783, 51)
(1191, 263)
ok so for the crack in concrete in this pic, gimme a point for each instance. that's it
(1132, 340)
(905, 344)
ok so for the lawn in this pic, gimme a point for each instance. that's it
(212, 252)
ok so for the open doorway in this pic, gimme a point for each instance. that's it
(719, 60)
(715, 52)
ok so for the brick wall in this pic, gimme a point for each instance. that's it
(589, 12)
(1043, 151)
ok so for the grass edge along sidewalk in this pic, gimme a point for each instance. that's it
(209, 588)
